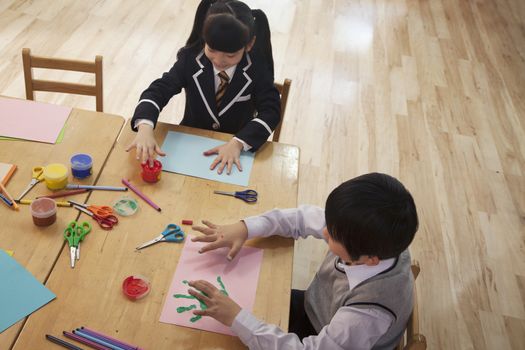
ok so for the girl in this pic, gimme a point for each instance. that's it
(228, 82)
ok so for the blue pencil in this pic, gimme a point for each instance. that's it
(6, 200)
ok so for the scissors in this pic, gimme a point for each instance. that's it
(105, 222)
(74, 234)
(172, 233)
(101, 210)
(249, 196)
(37, 176)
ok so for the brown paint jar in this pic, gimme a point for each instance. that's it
(44, 211)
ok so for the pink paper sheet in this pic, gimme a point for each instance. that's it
(31, 120)
(239, 277)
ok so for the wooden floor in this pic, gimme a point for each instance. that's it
(432, 92)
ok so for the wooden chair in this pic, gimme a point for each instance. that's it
(412, 339)
(283, 89)
(32, 84)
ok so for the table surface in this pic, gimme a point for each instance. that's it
(90, 294)
(37, 248)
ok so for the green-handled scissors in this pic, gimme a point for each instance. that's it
(74, 234)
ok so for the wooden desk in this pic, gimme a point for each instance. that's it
(37, 248)
(90, 295)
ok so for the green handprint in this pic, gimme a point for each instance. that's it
(203, 306)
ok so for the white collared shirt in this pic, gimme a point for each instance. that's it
(350, 328)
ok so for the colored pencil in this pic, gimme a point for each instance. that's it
(6, 200)
(64, 193)
(3, 189)
(59, 204)
(62, 342)
(108, 339)
(83, 334)
(85, 341)
(140, 194)
(93, 187)
(10, 173)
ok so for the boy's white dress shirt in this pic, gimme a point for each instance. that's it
(350, 328)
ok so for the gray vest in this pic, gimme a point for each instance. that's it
(390, 291)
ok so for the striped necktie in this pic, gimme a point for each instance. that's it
(222, 86)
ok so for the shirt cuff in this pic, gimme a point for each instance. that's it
(255, 226)
(245, 146)
(244, 325)
(143, 121)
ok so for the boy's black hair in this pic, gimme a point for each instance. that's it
(372, 215)
(230, 25)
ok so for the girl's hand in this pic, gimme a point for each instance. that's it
(227, 155)
(145, 145)
(219, 306)
(232, 236)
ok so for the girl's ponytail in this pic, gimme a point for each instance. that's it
(263, 44)
(195, 38)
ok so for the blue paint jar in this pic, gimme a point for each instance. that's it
(81, 165)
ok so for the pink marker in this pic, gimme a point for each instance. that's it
(140, 194)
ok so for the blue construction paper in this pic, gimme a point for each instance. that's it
(20, 292)
(184, 155)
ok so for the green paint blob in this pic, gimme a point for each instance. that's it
(184, 308)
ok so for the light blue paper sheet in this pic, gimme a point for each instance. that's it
(184, 155)
(20, 293)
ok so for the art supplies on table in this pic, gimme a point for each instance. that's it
(93, 187)
(46, 120)
(81, 165)
(55, 176)
(184, 155)
(135, 287)
(9, 252)
(141, 195)
(37, 175)
(21, 293)
(237, 278)
(172, 233)
(84, 341)
(249, 196)
(187, 222)
(6, 171)
(125, 206)
(43, 211)
(151, 174)
(6, 201)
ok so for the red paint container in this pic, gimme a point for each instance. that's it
(151, 174)
(44, 211)
(135, 287)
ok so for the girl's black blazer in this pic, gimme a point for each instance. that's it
(250, 108)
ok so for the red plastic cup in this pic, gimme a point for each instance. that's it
(151, 174)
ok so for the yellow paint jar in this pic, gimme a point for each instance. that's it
(55, 176)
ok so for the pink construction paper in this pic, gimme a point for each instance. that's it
(240, 278)
(31, 120)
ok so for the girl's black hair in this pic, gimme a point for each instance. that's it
(373, 214)
(230, 25)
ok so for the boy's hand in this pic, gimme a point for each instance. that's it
(227, 155)
(145, 145)
(232, 236)
(220, 306)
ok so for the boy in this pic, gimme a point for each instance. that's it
(361, 297)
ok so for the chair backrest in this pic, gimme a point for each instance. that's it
(32, 84)
(283, 89)
(414, 340)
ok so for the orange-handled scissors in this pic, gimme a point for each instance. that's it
(37, 176)
(101, 210)
(105, 223)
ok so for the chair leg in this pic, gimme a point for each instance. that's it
(28, 73)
